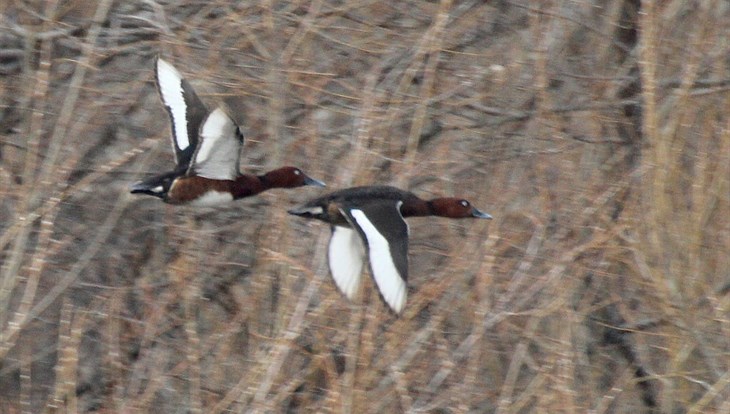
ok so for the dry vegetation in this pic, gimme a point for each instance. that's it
(596, 132)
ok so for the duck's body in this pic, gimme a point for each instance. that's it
(371, 219)
(200, 191)
(207, 148)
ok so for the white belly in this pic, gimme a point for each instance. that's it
(212, 198)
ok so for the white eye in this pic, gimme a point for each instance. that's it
(464, 203)
(297, 172)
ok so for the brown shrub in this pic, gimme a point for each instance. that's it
(596, 133)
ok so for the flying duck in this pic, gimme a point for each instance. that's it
(207, 147)
(370, 220)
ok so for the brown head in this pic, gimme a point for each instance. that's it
(455, 208)
(288, 177)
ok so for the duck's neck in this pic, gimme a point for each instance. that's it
(247, 185)
(417, 208)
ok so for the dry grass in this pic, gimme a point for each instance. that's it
(597, 134)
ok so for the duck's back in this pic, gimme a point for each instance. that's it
(364, 194)
(328, 207)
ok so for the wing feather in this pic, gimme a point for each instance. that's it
(386, 234)
(219, 149)
(184, 107)
(346, 254)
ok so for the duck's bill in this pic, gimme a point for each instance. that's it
(480, 214)
(311, 181)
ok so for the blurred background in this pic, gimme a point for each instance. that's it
(597, 133)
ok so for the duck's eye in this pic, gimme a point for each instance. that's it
(464, 203)
(297, 172)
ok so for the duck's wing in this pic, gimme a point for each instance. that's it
(185, 109)
(346, 254)
(385, 234)
(219, 148)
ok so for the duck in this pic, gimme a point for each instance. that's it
(207, 147)
(369, 221)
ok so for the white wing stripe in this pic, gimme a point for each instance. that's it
(218, 149)
(170, 83)
(346, 253)
(389, 281)
(212, 131)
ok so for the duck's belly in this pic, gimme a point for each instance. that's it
(212, 198)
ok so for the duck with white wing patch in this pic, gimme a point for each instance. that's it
(370, 220)
(207, 148)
